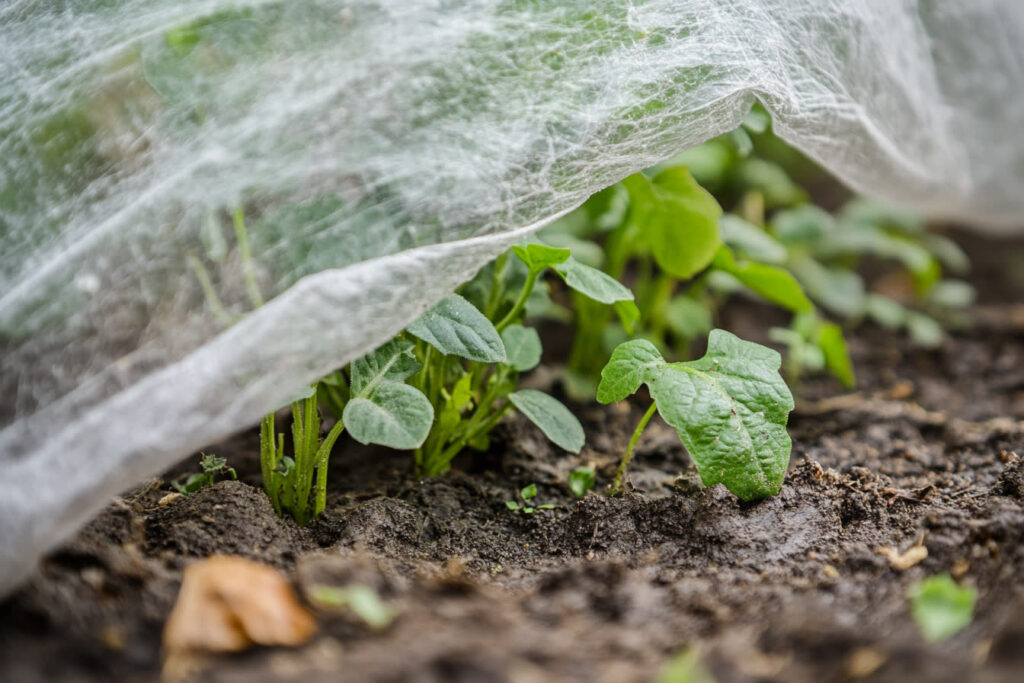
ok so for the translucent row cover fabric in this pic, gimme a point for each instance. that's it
(206, 204)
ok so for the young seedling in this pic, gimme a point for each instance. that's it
(361, 599)
(940, 607)
(211, 466)
(473, 351)
(528, 493)
(581, 480)
(288, 481)
(730, 409)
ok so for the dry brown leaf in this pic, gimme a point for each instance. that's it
(229, 603)
(905, 560)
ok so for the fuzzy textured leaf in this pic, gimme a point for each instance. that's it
(392, 414)
(553, 418)
(456, 327)
(393, 361)
(522, 346)
(592, 282)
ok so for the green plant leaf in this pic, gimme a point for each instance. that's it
(628, 314)
(677, 218)
(456, 327)
(837, 357)
(393, 361)
(529, 492)
(359, 598)
(592, 282)
(511, 505)
(839, 290)
(581, 480)
(940, 607)
(924, 330)
(632, 363)
(771, 282)
(392, 414)
(522, 345)
(885, 311)
(553, 418)
(540, 256)
(730, 408)
(750, 241)
(688, 317)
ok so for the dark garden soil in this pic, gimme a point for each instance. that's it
(928, 451)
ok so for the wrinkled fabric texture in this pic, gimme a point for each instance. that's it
(379, 153)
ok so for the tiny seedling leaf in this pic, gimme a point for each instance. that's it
(522, 346)
(456, 327)
(581, 480)
(940, 607)
(592, 282)
(537, 257)
(529, 492)
(553, 418)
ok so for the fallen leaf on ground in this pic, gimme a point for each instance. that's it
(227, 604)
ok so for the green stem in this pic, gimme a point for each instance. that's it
(212, 299)
(494, 296)
(436, 466)
(248, 270)
(620, 473)
(524, 295)
(323, 456)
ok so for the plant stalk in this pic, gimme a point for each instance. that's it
(620, 473)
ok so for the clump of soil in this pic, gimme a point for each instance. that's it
(801, 587)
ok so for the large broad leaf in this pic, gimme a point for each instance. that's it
(456, 327)
(730, 408)
(522, 345)
(592, 282)
(677, 218)
(553, 418)
(392, 414)
(382, 408)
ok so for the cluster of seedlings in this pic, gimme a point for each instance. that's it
(443, 384)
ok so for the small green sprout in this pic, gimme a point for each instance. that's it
(211, 466)
(581, 480)
(730, 409)
(528, 493)
(685, 667)
(473, 346)
(940, 607)
(359, 598)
